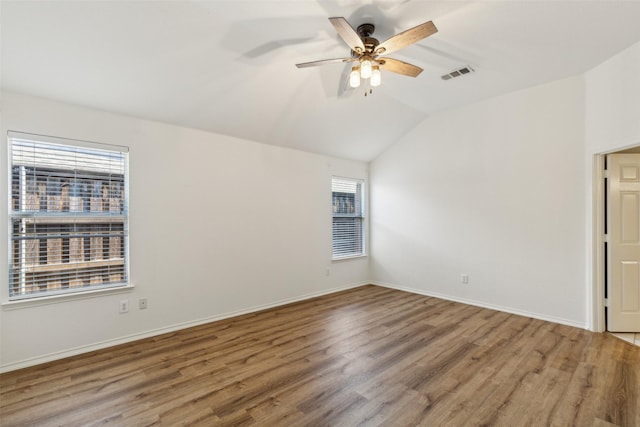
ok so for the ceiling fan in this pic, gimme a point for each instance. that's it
(369, 53)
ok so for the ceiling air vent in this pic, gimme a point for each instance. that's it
(458, 73)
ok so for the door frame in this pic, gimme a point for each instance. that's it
(598, 322)
(596, 305)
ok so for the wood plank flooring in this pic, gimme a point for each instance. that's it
(369, 356)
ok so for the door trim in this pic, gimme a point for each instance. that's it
(598, 259)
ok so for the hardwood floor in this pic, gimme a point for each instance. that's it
(368, 356)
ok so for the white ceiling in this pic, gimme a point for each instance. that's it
(228, 66)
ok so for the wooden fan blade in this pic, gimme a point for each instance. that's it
(323, 62)
(400, 67)
(406, 38)
(348, 34)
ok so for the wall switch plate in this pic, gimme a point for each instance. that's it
(464, 278)
(124, 306)
(142, 303)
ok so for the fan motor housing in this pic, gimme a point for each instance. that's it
(370, 43)
(365, 31)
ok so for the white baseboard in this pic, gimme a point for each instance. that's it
(134, 337)
(539, 316)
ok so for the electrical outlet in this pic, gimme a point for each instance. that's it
(464, 278)
(142, 303)
(124, 306)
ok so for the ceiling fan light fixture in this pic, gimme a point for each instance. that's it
(365, 68)
(366, 51)
(376, 76)
(354, 77)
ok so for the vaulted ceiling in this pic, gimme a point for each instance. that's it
(228, 66)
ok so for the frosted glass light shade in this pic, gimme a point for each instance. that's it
(365, 68)
(354, 77)
(376, 76)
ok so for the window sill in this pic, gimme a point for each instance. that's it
(348, 257)
(61, 298)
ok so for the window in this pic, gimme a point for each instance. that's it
(68, 216)
(348, 217)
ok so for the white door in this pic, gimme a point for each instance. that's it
(623, 282)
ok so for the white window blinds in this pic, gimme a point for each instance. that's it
(68, 216)
(348, 217)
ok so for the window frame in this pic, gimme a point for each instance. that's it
(362, 219)
(66, 218)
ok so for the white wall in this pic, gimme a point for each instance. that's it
(494, 190)
(613, 102)
(612, 123)
(218, 226)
